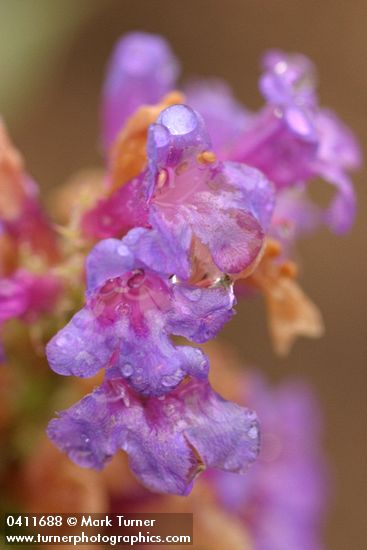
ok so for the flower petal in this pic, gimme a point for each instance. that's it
(168, 441)
(108, 259)
(83, 346)
(198, 313)
(152, 365)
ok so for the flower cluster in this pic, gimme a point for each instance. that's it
(201, 202)
(140, 294)
(199, 194)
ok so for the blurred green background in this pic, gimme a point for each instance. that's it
(52, 57)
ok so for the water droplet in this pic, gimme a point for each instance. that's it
(203, 365)
(127, 369)
(169, 381)
(253, 432)
(122, 250)
(281, 67)
(194, 295)
(85, 439)
(62, 340)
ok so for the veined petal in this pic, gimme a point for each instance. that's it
(199, 314)
(188, 187)
(83, 347)
(152, 365)
(168, 441)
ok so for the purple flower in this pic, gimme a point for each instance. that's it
(288, 81)
(293, 140)
(133, 305)
(283, 500)
(169, 441)
(141, 71)
(295, 215)
(225, 206)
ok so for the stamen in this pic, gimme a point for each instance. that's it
(206, 157)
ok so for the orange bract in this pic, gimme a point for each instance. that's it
(290, 312)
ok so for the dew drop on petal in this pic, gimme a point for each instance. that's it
(169, 381)
(85, 439)
(123, 251)
(253, 432)
(127, 369)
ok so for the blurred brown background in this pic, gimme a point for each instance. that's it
(52, 57)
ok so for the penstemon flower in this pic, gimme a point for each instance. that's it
(169, 440)
(132, 308)
(141, 71)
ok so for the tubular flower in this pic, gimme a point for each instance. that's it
(132, 308)
(293, 140)
(226, 206)
(141, 71)
(169, 441)
(290, 456)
